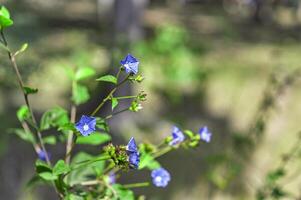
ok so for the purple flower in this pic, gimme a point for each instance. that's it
(205, 134)
(86, 125)
(133, 153)
(130, 63)
(161, 177)
(177, 136)
(42, 155)
(112, 178)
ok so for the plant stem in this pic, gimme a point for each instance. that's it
(162, 152)
(21, 84)
(87, 162)
(135, 185)
(127, 97)
(70, 141)
(116, 113)
(111, 93)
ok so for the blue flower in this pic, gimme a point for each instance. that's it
(205, 134)
(161, 177)
(130, 63)
(86, 125)
(177, 136)
(133, 153)
(42, 155)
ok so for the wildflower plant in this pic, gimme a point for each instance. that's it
(84, 176)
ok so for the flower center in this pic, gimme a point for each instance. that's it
(86, 127)
(158, 179)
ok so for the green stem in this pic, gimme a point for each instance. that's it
(162, 151)
(126, 97)
(87, 162)
(135, 185)
(109, 96)
(116, 113)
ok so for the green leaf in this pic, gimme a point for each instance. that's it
(22, 49)
(114, 103)
(33, 182)
(146, 160)
(123, 193)
(83, 73)
(96, 138)
(55, 117)
(23, 113)
(4, 12)
(5, 20)
(29, 90)
(50, 140)
(48, 176)
(41, 166)
(84, 174)
(60, 168)
(67, 127)
(80, 94)
(108, 78)
(102, 124)
(25, 135)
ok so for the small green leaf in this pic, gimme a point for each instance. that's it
(67, 127)
(41, 166)
(25, 135)
(60, 168)
(22, 49)
(29, 90)
(123, 193)
(54, 117)
(23, 113)
(114, 102)
(5, 20)
(102, 124)
(96, 138)
(146, 160)
(50, 140)
(108, 78)
(80, 94)
(48, 176)
(83, 73)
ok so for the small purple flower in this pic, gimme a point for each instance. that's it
(42, 155)
(112, 178)
(205, 134)
(161, 177)
(133, 153)
(131, 64)
(86, 125)
(177, 136)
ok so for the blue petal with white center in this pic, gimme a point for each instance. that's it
(177, 136)
(130, 64)
(205, 134)
(86, 125)
(160, 177)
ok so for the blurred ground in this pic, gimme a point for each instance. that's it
(204, 63)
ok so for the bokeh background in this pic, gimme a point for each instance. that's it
(232, 65)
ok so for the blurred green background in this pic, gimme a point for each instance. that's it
(229, 64)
